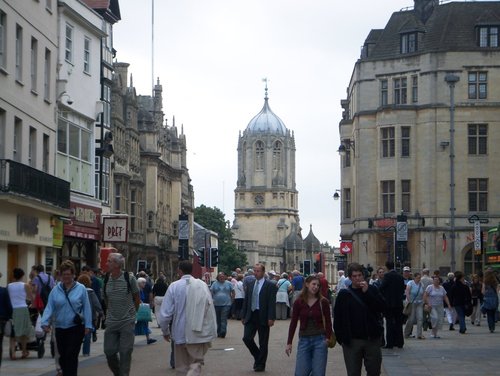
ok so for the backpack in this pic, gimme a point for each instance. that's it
(45, 290)
(127, 279)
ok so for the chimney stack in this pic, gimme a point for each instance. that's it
(424, 9)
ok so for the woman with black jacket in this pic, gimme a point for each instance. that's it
(461, 299)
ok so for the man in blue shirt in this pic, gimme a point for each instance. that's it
(223, 296)
(297, 284)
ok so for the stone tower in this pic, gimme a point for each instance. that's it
(266, 198)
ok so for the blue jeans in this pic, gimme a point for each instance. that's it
(461, 317)
(312, 354)
(86, 343)
(222, 313)
(491, 316)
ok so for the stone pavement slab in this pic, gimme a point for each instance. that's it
(475, 353)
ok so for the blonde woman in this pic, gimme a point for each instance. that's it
(434, 297)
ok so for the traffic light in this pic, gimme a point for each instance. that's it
(201, 256)
(307, 267)
(317, 263)
(214, 257)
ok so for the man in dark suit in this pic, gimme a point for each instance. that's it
(393, 288)
(259, 313)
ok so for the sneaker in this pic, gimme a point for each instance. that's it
(435, 337)
(421, 337)
(150, 341)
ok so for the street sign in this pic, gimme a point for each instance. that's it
(402, 231)
(473, 218)
(477, 236)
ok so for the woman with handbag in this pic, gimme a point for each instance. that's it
(434, 297)
(315, 332)
(19, 294)
(490, 298)
(143, 313)
(68, 311)
(415, 306)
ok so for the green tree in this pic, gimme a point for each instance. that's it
(213, 219)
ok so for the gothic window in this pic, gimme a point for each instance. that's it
(478, 85)
(414, 89)
(244, 157)
(405, 195)
(388, 196)
(384, 100)
(400, 90)
(259, 156)
(388, 142)
(405, 141)
(478, 195)
(277, 156)
(478, 139)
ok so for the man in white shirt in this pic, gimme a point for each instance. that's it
(188, 305)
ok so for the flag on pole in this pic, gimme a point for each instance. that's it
(444, 243)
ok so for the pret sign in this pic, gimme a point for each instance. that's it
(115, 230)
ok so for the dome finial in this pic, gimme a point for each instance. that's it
(265, 80)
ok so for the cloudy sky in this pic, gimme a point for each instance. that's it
(211, 56)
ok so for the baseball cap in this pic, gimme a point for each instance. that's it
(406, 269)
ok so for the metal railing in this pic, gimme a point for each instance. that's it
(24, 180)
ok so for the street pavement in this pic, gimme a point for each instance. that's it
(476, 352)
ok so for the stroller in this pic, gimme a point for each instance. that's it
(37, 341)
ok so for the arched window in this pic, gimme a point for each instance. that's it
(244, 157)
(259, 156)
(277, 156)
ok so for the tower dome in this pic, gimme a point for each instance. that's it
(266, 121)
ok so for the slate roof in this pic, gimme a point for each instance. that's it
(108, 9)
(451, 27)
(311, 242)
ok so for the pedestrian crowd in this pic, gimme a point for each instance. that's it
(364, 313)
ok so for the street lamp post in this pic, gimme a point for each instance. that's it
(451, 79)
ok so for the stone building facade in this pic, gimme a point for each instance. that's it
(150, 178)
(32, 197)
(396, 139)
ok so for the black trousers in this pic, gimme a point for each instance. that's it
(253, 327)
(394, 327)
(69, 342)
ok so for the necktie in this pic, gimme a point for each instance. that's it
(255, 296)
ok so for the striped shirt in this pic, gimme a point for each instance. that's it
(120, 304)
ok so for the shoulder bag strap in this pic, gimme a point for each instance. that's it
(356, 297)
(66, 293)
(415, 298)
(322, 315)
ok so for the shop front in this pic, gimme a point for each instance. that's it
(25, 235)
(82, 235)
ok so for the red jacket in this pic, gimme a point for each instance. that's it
(301, 312)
